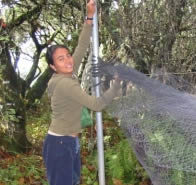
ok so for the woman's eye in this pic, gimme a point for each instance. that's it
(60, 59)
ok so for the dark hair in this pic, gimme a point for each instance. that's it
(50, 52)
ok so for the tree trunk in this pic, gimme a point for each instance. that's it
(38, 89)
(13, 111)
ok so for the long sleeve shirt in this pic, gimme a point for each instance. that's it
(67, 97)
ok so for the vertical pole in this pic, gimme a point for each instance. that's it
(96, 80)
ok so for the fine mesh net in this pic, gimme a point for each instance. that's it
(159, 121)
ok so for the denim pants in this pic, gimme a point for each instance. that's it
(62, 159)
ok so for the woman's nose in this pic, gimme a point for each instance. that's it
(68, 60)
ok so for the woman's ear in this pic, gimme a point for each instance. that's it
(53, 67)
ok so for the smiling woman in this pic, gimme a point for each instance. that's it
(60, 59)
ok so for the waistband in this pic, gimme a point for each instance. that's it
(55, 134)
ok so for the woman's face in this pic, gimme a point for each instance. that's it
(63, 61)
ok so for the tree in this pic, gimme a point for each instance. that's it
(151, 34)
(29, 20)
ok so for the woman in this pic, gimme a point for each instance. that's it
(61, 147)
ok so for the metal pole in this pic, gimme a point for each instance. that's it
(100, 146)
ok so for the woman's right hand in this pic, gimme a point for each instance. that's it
(117, 79)
(91, 8)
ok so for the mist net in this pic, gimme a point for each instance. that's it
(159, 120)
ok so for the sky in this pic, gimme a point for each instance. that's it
(25, 61)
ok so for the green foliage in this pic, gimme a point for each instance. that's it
(89, 175)
(180, 177)
(22, 169)
(37, 129)
(25, 169)
(7, 113)
(6, 140)
(122, 164)
(172, 146)
(38, 120)
(4, 39)
(89, 159)
(10, 115)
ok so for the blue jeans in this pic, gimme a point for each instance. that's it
(62, 160)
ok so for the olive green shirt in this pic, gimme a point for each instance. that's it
(67, 97)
